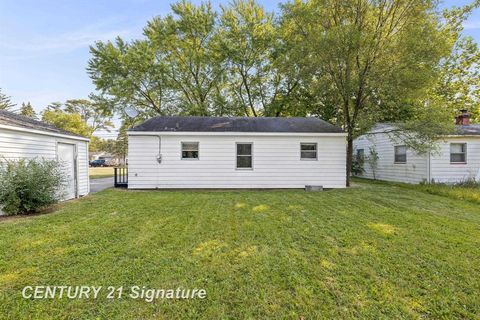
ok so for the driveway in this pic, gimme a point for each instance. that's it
(97, 185)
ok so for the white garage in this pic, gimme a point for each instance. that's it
(23, 137)
(236, 152)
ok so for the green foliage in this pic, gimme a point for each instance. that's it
(29, 185)
(93, 112)
(72, 122)
(375, 251)
(250, 45)
(5, 102)
(27, 110)
(372, 64)
(353, 63)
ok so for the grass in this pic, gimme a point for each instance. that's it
(373, 251)
(469, 193)
(100, 172)
(466, 191)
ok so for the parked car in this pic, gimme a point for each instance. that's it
(98, 163)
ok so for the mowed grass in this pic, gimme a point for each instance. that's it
(373, 251)
(100, 172)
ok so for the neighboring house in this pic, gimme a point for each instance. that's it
(457, 158)
(23, 137)
(242, 152)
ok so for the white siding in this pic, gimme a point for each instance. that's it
(435, 167)
(17, 144)
(444, 171)
(276, 162)
(413, 171)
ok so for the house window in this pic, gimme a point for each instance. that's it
(458, 152)
(308, 151)
(400, 154)
(360, 156)
(189, 150)
(244, 156)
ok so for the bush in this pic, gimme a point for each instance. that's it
(29, 185)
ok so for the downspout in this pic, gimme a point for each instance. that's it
(429, 167)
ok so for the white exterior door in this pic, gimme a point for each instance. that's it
(66, 157)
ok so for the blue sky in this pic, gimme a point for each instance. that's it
(44, 44)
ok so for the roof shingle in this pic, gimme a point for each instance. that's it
(237, 124)
(16, 120)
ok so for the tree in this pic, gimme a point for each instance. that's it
(6, 102)
(186, 41)
(368, 60)
(459, 83)
(93, 112)
(27, 110)
(129, 75)
(247, 40)
(72, 122)
(174, 70)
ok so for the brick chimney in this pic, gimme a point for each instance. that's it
(463, 119)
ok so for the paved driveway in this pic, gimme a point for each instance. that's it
(97, 185)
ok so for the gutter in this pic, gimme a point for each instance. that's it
(232, 133)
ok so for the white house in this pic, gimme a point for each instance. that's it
(23, 137)
(456, 159)
(240, 152)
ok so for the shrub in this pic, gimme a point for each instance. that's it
(29, 185)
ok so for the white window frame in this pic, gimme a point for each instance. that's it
(237, 155)
(464, 153)
(395, 154)
(181, 150)
(316, 151)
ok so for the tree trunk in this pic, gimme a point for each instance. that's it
(349, 156)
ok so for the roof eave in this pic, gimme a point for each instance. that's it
(44, 132)
(233, 133)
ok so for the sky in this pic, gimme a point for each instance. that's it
(44, 45)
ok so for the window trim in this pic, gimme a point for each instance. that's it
(181, 151)
(464, 153)
(357, 155)
(395, 154)
(316, 151)
(236, 156)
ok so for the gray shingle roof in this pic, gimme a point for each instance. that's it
(472, 129)
(16, 120)
(237, 124)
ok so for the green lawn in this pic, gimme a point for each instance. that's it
(374, 251)
(100, 172)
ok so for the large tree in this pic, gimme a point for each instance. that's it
(369, 60)
(247, 42)
(185, 41)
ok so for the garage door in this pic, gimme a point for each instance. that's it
(66, 156)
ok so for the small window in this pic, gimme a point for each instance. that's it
(458, 152)
(308, 151)
(400, 154)
(360, 156)
(244, 156)
(189, 150)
